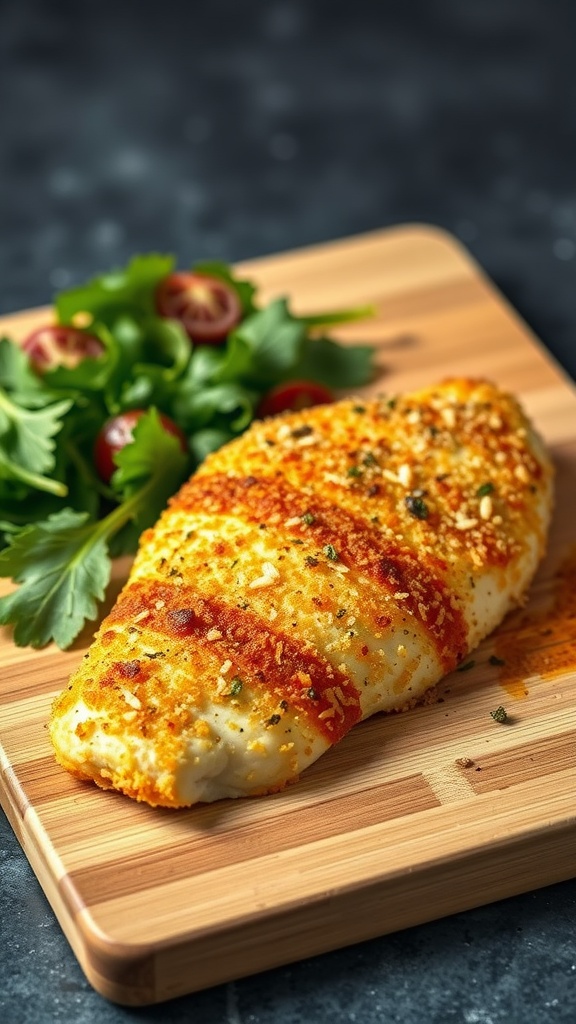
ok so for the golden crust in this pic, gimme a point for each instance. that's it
(466, 444)
(325, 565)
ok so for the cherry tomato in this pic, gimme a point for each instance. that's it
(206, 307)
(118, 431)
(294, 395)
(60, 345)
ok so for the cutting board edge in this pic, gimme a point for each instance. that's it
(147, 973)
(134, 976)
(17, 814)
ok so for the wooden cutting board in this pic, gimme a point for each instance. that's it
(412, 816)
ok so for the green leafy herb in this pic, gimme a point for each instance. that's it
(308, 518)
(484, 489)
(495, 660)
(27, 443)
(499, 715)
(336, 366)
(331, 553)
(63, 567)
(104, 297)
(63, 563)
(18, 379)
(236, 686)
(416, 506)
(266, 346)
(60, 523)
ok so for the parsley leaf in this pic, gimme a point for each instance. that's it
(63, 568)
(196, 406)
(337, 366)
(63, 563)
(265, 347)
(104, 296)
(27, 442)
(208, 440)
(153, 458)
(17, 377)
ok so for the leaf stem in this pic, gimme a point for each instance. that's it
(40, 483)
(343, 316)
(119, 516)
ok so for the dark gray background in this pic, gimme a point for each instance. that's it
(234, 129)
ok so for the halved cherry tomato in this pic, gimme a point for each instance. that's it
(60, 345)
(206, 307)
(118, 431)
(293, 395)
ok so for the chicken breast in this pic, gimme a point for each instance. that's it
(327, 565)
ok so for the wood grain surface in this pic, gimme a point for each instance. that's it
(411, 816)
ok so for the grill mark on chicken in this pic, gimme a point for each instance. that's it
(392, 566)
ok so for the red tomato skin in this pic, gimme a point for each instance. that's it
(207, 307)
(60, 345)
(292, 396)
(118, 431)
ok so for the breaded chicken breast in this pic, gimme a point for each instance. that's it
(327, 565)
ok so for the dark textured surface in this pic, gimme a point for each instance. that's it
(232, 130)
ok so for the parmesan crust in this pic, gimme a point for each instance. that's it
(327, 565)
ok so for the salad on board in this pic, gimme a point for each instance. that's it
(108, 409)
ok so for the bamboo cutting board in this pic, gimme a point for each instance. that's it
(411, 816)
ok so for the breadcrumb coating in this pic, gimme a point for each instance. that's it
(326, 565)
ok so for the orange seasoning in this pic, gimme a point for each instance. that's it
(543, 642)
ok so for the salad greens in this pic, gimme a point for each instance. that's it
(60, 525)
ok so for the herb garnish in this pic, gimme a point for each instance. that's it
(484, 489)
(370, 459)
(60, 525)
(416, 506)
(330, 552)
(499, 715)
